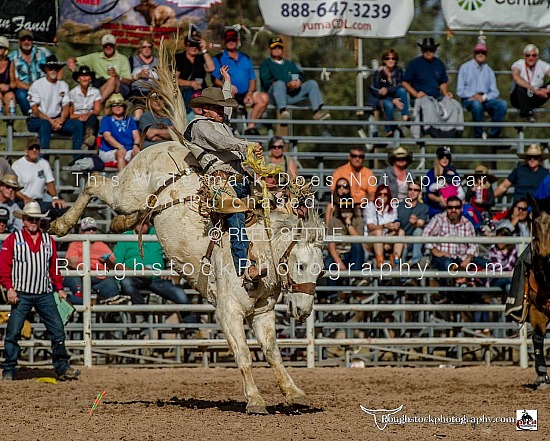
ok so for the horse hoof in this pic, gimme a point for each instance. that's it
(256, 409)
(298, 400)
(57, 229)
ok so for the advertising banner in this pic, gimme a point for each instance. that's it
(502, 15)
(357, 18)
(38, 16)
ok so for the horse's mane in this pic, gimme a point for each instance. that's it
(311, 229)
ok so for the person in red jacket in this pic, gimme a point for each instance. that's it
(29, 273)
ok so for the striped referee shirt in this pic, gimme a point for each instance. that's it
(27, 266)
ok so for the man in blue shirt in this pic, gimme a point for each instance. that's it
(477, 87)
(243, 78)
(426, 75)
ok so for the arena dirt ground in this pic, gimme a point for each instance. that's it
(208, 404)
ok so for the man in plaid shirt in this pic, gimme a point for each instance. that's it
(451, 223)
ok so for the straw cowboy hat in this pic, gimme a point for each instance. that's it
(10, 180)
(51, 62)
(482, 170)
(212, 96)
(116, 99)
(534, 150)
(83, 70)
(400, 153)
(31, 209)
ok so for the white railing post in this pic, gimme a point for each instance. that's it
(310, 336)
(523, 353)
(87, 297)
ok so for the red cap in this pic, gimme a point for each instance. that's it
(480, 47)
(231, 34)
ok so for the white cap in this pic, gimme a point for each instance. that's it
(108, 39)
(88, 223)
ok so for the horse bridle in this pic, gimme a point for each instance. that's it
(287, 282)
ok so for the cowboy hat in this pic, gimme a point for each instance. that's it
(400, 153)
(533, 150)
(10, 180)
(4, 42)
(428, 44)
(83, 70)
(212, 96)
(51, 62)
(116, 99)
(31, 209)
(482, 170)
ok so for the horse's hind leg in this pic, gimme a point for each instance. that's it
(264, 329)
(539, 322)
(233, 327)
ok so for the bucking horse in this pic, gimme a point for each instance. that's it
(160, 184)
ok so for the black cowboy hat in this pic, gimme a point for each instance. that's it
(428, 44)
(51, 62)
(212, 96)
(83, 70)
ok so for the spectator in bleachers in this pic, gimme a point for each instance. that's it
(526, 177)
(505, 255)
(243, 78)
(528, 88)
(26, 61)
(449, 256)
(112, 68)
(345, 221)
(426, 74)
(285, 83)
(341, 192)
(381, 219)
(49, 100)
(5, 167)
(85, 105)
(7, 76)
(35, 174)
(142, 65)
(4, 220)
(387, 92)
(276, 156)
(477, 87)
(396, 175)
(127, 253)
(8, 186)
(156, 126)
(31, 282)
(481, 195)
(362, 181)
(192, 65)
(518, 219)
(413, 216)
(101, 259)
(120, 133)
(442, 181)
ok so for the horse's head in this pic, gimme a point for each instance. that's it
(304, 261)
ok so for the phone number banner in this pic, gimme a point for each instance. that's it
(357, 18)
(504, 15)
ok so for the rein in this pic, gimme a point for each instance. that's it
(287, 283)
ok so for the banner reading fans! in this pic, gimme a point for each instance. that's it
(84, 21)
(38, 16)
(506, 15)
(358, 18)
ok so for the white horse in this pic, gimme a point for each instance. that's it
(293, 253)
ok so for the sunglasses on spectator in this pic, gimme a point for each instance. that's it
(383, 194)
(389, 58)
(414, 189)
(109, 45)
(32, 220)
(357, 156)
(531, 55)
(33, 147)
(522, 208)
(481, 52)
(234, 40)
(277, 146)
(454, 207)
(444, 156)
(532, 157)
(342, 186)
(27, 38)
(146, 47)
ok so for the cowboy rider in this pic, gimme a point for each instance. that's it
(220, 152)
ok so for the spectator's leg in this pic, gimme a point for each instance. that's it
(260, 102)
(388, 108)
(416, 248)
(73, 283)
(398, 247)
(131, 286)
(21, 98)
(107, 287)
(402, 94)
(477, 110)
(47, 310)
(124, 89)
(378, 247)
(167, 290)
(309, 90)
(44, 130)
(110, 87)
(278, 92)
(497, 109)
(442, 264)
(12, 349)
(6, 98)
(520, 100)
(74, 128)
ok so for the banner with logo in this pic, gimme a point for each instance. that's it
(38, 16)
(357, 18)
(85, 21)
(504, 15)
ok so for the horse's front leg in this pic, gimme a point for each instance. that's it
(538, 323)
(264, 329)
(233, 327)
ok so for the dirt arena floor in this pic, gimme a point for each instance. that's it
(208, 404)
